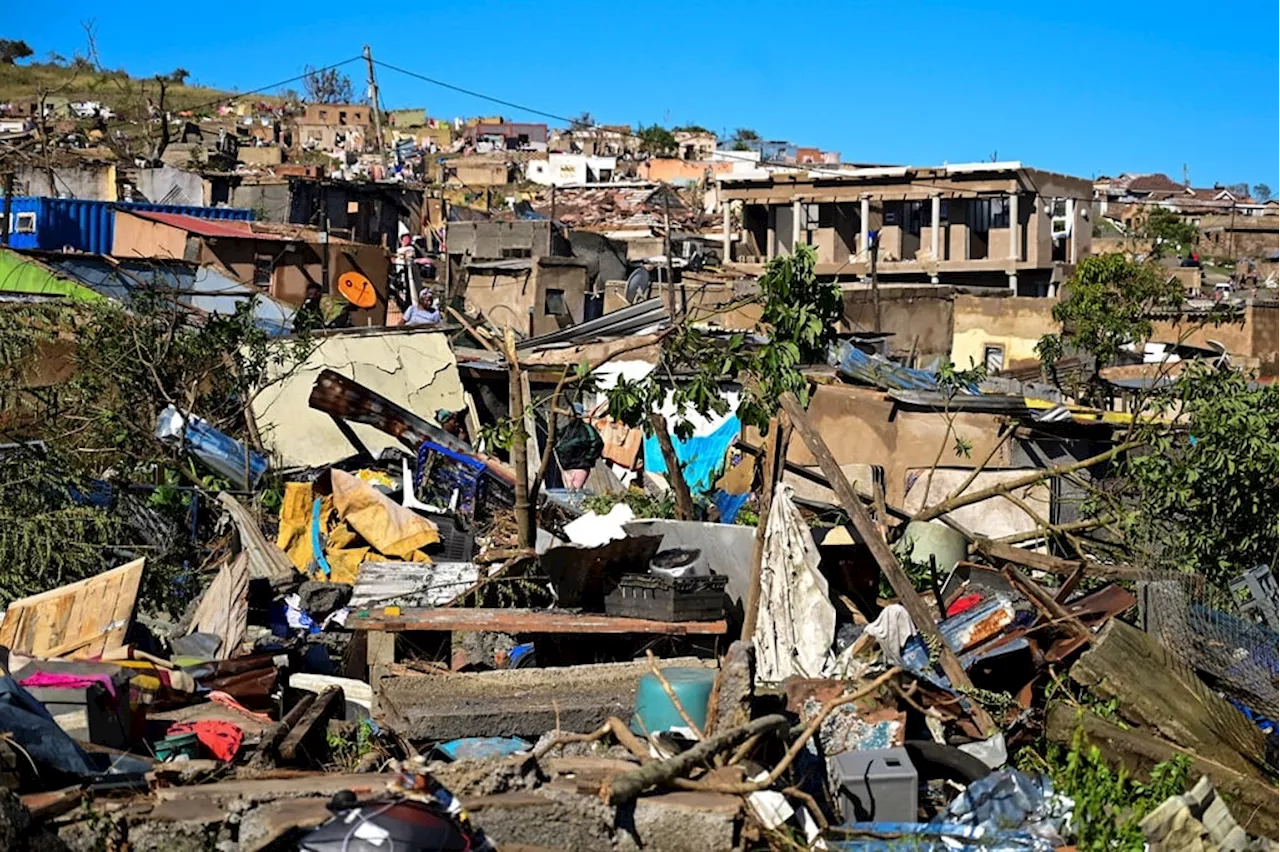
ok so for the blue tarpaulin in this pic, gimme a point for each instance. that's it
(223, 454)
(701, 457)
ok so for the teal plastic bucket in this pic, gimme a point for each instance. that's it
(654, 710)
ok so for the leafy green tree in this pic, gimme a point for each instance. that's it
(179, 76)
(798, 314)
(115, 369)
(657, 141)
(1109, 303)
(1170, 233)
(1261, 192)
(745, 134)
(1204, 490)
(11, 50)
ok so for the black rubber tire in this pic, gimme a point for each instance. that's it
(941, 762)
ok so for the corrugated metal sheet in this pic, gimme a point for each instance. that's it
(77, 224)
(854, 364)
(633, 319)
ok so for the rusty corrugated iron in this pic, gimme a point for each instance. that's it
(338, 396)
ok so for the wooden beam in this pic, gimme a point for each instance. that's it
(1045, 602)
(471, 329)
(314, 719)
(1002, 552)
(775, 453)
(866, 528)
(501, 620)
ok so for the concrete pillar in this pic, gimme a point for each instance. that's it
(728, 242)
(1013, 283)
(771, 232)
(1014, 243)
(935, 216)
(1074, 214)
(864, 224)
(795, 225)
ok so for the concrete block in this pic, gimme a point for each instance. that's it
(520, 703)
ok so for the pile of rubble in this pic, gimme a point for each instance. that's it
(382, 665)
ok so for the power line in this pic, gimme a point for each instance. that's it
(277, 85)
(475, 94)
(724, 155)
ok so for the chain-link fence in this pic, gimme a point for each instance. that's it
(1227, 636)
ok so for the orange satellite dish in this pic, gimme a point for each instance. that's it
(357, 290)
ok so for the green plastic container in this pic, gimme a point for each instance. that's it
(179, 744)
(654, 710)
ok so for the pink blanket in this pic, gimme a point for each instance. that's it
(69, 681)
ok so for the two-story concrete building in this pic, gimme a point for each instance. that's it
(975, 224)
(329, 127)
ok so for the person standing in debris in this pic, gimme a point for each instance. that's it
(426, 312)
(455, 423)
(309, 315)
(578, 448)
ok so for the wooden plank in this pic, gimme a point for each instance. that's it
(1139, 750)
(224, 608)
(380, 649)
(471, 619)
(1043, 601)
(313, 720)
(1155, 688)
(411, 583)
(81, 620)
(889, 566)
(1052, 564)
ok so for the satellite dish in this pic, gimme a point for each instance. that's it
(639, 283)
(357, 290)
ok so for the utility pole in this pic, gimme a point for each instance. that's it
(377, 108)
(874, 238)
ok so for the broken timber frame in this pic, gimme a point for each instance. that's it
(888, 563)
(775, 454)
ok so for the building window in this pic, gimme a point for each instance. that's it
(25, 223)
(988, 213)
(999, 212)
(810, 216)
(918, 214)
(263, 266)
(993, 358)
(516, 252)
(324, 115)
(554, 304)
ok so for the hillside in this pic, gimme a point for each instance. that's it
(117, 89)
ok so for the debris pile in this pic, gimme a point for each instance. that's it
(392, 655)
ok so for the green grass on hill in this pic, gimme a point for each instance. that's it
(116, 89)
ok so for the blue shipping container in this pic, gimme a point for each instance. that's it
(76, 224)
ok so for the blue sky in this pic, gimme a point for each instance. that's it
(1086, 88)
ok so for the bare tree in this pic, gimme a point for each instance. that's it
(327, 86)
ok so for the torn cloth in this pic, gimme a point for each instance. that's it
(892, 628)
(58, 680)
(797, 622)
(221, 739)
